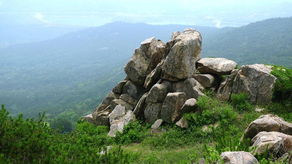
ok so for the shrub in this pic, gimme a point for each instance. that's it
(33, 141)
(211, 111)
(134, 132)
(283, 86)
(241, 102)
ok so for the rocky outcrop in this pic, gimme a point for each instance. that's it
(255, 80)
(268, 123)
(164, 81)
(238, 157)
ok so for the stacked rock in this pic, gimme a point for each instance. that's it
(165, 80)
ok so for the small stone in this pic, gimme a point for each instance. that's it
(157, 124)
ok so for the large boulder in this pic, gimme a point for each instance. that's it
(268, 123)
(171, 108)
(275, 143)
(218, 66)
(191, 87)
(119, 118)
(184, 52)
(145, 60)
(157, 93)
(207, 80)
(255, 80)
(238, 157)
(140, 106)
(118, 89)
(189, 105)
(225, 89)
(153, 77)
(133, 90)
(152, 112)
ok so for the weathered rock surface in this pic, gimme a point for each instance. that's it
(171, 108)
(118, 89)
(119, 118)
(275, 143)
(152, 112)
(218, 66)
(182, 123)
(89, 118)
(157, 93)
(254, 80)
(141, 105)
(189, 105)
(145, 60)
(268, 123)
(157, 124)
(185, 51)
(207, 80)
(190, 87)
(238, 157)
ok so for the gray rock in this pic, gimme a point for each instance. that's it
(131, 89)
(171, 108)
(182, 123)
(118, 124)
(207, 80)
(275, 143)
(254, 80)
(152, 112)
(225, 89)
(218, 66)
(153, 77)
(101, 117)
(145, 60)
(118, 89)
(127, 98)
(268, 123)
(157, 93)
(190, 86)
(118, 112)
(184, 52)
(238, 157)
(116, 102)
(189, 106)
(140, 107)
(88, 118)
(110, 97)
(157, 124)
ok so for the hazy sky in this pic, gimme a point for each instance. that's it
(217, 13)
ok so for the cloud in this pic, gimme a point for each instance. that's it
(40, 17)
(217, 22)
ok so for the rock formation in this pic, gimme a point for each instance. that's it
(164, 80)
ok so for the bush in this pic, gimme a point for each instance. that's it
(134, 132)
(211, 111)
(33, 141)
(241, 102)
(283, 86)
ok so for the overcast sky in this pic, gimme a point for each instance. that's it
(217, 13)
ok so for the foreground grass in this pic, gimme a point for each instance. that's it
(214, 127)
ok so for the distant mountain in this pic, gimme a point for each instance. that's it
(14, 33)
(73, 73)
(267, 41)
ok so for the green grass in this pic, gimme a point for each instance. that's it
(33, 141)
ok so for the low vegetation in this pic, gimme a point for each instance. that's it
(214, 127)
